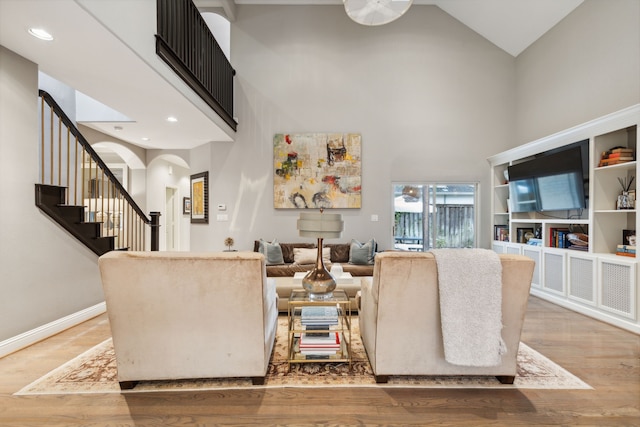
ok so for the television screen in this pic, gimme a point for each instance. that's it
(550, 182)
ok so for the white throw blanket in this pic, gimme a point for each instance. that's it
(470, 286)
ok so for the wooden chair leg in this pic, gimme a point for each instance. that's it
(128, 385)
(382, 379)
(257, 380)
(505, 379)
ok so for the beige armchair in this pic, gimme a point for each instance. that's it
(179, 315)
(400, 320)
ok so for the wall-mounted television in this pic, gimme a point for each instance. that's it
(553, 181)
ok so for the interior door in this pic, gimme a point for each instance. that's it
(171, 232)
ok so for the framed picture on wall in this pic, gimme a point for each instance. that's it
(186, 205)
(199, 200)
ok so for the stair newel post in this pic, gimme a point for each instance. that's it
(155, 230)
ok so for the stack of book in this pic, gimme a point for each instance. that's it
(626, 250)
(558, 237)
(616, 155)
(325, 315)
(319, 342)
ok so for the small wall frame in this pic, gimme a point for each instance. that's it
(200, 198)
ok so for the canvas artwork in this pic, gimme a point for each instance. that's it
(317, 170)
(199, 200)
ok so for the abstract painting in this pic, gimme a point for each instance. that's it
(317, 170)
(200, 198)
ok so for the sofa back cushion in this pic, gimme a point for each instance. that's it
(339, 252)
(362, 253)
(272, 252)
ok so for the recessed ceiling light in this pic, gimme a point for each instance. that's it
(172, 119)
(144, 138)
(40, 33)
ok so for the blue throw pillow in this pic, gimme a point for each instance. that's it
(362, 253)
(271, 251)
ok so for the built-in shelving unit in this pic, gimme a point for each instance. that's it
(596, 281)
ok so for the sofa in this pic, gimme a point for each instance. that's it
(282, 269)
(400, 316)
(181, 315)
(339, 253)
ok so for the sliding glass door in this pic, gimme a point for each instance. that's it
(434, 215)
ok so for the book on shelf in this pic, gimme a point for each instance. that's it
(319, 312)
(619, 155)
(631, 249)
(321, 330)
(300, 356)
(622, 150)
(501, 233)
(616, 155)
(534, 242)
(318, 352)
(320, 316)
(559, 237)
(626, 254)
(615, 161)
(330, 341)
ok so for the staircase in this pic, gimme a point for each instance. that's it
(79, 192)
(51, 200)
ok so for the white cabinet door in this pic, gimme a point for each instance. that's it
(554, 271)
(582, 278)
(617, 279)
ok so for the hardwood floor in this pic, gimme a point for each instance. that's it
(606, 357)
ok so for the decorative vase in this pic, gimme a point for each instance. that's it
(624, 201)
(319, 282)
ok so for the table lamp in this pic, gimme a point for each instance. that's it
(319, 282)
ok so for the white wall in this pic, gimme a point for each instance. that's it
(45, 275)
(431, 98)
(587, 66)
(158, 179)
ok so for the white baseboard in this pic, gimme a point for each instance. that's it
(45, 331)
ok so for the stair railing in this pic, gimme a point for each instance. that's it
(67, 160)
(186, 44)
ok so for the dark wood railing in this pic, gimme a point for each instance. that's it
(67, 160)
(185, 43)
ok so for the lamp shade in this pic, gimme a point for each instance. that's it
(320, 225)
(376, 12)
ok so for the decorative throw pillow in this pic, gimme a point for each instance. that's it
(362, 253)
(308, 256)
(271, 251)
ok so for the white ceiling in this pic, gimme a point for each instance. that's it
(116, 76)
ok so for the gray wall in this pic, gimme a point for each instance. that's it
(585, 67)
(45, 275)
(431, 98)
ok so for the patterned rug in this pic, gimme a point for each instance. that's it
(95, 371)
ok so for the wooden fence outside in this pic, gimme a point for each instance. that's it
(455, 227)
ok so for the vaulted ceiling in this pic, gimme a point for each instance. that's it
(143, 95)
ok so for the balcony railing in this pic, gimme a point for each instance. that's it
(185, 43)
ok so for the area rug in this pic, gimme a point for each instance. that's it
(95, 371)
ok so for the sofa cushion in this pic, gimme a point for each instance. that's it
(287, 250)
(271, 251)
(339, 252)
(308, 256)
(362, 253)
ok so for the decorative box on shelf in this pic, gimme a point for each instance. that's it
(342, 279)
